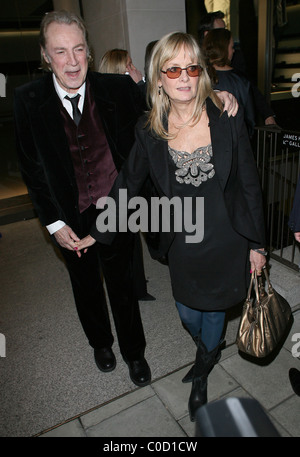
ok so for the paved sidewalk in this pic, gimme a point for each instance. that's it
(50, 385)
(160, 409)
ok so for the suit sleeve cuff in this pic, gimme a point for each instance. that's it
(52, 228)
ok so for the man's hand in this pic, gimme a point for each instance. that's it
(270, 121)
(297, 236)
(67, 239)
(229, 101)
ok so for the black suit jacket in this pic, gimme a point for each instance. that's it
(234, 166)
(42, 145)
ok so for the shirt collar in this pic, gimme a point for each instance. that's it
(62, 93)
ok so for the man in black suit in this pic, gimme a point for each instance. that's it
(70, 153)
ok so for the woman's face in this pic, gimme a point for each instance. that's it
(184, 88)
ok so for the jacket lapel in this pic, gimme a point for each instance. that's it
(221, 139)
(49, 112)
(106, 108)
(159, 163)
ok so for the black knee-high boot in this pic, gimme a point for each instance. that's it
(190, 374)
(203, 365)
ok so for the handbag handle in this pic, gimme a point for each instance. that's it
(261, 287)
(267, 278)
(252, 305)
(256, 289)
(254, 283)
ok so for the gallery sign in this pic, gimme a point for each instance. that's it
(291, 140)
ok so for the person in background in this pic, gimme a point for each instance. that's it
(294, 224)
(118, 61)
(215, 20)
(219, 5)
(294, 218)
(193, 148)
(218, 49)
(143, 84)
(74, 129)
(209, 21)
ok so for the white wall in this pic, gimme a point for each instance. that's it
(149, 20)
(107, 25)
(130, 24)
(69, 5)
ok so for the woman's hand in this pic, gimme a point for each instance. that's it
(257, 261)
(85, 243)
(229, 101)
(134, 73)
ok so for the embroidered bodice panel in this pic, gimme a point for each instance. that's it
(194, 168)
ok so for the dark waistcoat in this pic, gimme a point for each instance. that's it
(94, 167)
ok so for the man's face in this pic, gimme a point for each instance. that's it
(66, 52)
(219, 24)
(230, 49)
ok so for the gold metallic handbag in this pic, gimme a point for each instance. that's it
(264, 320)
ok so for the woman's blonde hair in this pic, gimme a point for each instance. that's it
(114, 61)
(167, 48)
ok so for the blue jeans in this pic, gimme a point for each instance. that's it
(209, 324)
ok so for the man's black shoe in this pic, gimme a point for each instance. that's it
(105, 359)
(294, 376)
(139, 372)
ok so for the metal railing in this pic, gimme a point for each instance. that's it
(277, 154)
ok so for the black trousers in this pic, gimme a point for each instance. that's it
(116, 264)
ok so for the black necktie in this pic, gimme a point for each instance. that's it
(76, 112)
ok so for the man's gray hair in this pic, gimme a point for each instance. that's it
(60, 17)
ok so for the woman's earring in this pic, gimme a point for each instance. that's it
(159, 90)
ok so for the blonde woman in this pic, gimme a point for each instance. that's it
(192, 148)
(119, 61)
